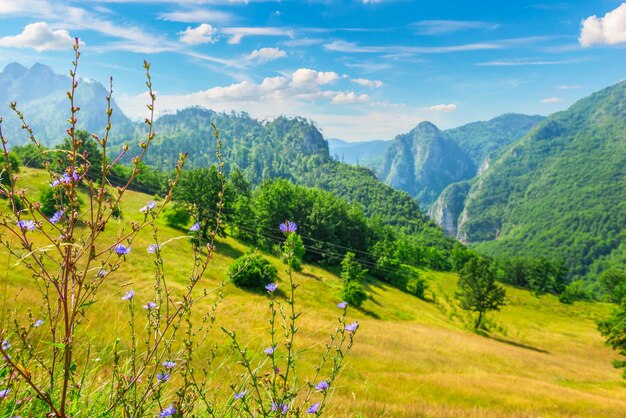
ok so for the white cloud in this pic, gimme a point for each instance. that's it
(284, 94)
(203, 34)
(266, 54)
(368, 83)
(304, 77)
(349, 97)
(610, 29)
(350, 47)
(40, 37)
(443, 107)
(567, 87)
(237, 34)
(198, 16)
(441, 27)
(551, 100)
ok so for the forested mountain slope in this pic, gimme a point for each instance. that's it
(560, 191)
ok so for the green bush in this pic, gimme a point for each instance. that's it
(354, 294)
(417, 286)
(252, 271)
(177, 216)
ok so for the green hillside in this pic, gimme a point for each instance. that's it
(481, 139)
(560, 191)
(411, 357)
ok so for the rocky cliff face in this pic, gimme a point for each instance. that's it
(446, 210)
(423, 162)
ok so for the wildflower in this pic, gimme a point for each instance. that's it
(38, 323)
(352, 327)
(277, 370)
(128, 295)
(149, 206)
(271, 287)
(282, 407)
(150, 305)
(288, 227)
(269, 351)
(168, 412)
(153, 248)
(57, 216)
(121, 249)
(322, 386)
(4, 393)
(26, 225)
(163, 377)
(342, 305)
(240, 394)
(313, 408)
(195, 227)
(101, 273)
(6, 344)
(169, 364)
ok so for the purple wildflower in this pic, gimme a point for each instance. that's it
(149, 206)
(128, 295)
(271, 287)
(282, 407)
(121, 249)
(26, 225)
(240, 394)
(313, 408)
(101, 273)
(168, 412)
(163, 377)
(323, 385)
(195, 227)
(38, 323)
(153, 248)
(169, 364)
(352, 327)
(6, 344)
(4, 393)
(288, 227)
(150, 305)
(342, 305)
(57, 216)
(269, 351)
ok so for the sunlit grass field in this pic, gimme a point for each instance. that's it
(411, 358)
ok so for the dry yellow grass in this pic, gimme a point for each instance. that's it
(412, 358)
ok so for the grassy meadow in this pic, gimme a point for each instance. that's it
(411, 357)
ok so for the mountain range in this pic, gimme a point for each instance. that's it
(514, 185)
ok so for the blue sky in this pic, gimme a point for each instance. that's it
(361, 69)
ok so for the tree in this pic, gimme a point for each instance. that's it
(614, 329)
(613, 281)
(351, 270)
(201, 189)
(478, 291)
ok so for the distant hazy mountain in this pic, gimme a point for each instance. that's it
(559, 191)
(423, 162)
(41, 95)
(366, 153)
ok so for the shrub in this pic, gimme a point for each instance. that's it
(417, 286)
(177, 216)
(252, 271)
(354, 294)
